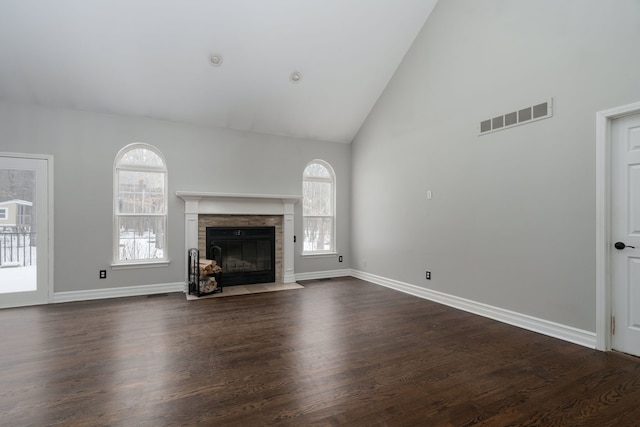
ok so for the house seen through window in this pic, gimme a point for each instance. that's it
(318, 210)
(140, 205)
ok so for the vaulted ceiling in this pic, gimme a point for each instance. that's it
(153, 58)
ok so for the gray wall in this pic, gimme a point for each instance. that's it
(84, 146)
(512, 219)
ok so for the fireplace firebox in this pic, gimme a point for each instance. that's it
(245, 254)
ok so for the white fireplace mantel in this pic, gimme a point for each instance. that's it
(196, 203)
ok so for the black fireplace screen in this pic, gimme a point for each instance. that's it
(245, 254)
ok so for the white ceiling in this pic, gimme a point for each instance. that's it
(150, 58)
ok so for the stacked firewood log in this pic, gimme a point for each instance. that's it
(209, 266)
(208, 282)
(208, 285)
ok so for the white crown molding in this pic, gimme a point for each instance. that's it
(127, 291)
(545, 327)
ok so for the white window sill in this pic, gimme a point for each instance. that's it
(318, 254)
(139, 264)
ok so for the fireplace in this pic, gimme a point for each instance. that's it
(245, 254)
(201, 207)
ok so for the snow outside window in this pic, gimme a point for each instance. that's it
(140, 205)
(318, 210)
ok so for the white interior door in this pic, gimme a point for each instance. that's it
(24, 231)
(625, 234)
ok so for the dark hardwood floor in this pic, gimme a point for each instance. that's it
(338, 352)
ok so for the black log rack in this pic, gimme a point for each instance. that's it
(197, 281)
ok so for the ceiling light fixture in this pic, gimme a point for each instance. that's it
(295, 77)
(215, 60)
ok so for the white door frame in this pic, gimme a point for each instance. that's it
(49, 159)
(603, 220)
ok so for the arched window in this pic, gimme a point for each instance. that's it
(318, 208)
(140, 205)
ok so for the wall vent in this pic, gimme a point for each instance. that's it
(544, 110)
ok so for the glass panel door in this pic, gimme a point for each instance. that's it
(24, 236)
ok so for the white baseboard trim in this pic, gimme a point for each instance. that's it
(126, 291)
(545, 327)
(323, 274)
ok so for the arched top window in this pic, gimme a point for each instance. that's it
(318, 208)
(140, 205)
(137, 155)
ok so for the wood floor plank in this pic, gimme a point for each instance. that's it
(338, 352)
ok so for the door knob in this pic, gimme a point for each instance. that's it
(621, 245)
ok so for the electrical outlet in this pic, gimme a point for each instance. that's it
(428, 275)
(103, 274)
(340, 258)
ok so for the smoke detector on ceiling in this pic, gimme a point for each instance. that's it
(295, 77)
(215, 59)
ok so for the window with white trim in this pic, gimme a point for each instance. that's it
(3, 213)
(318, 208)
(140, 205)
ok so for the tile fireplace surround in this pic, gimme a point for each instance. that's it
(199, 203)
